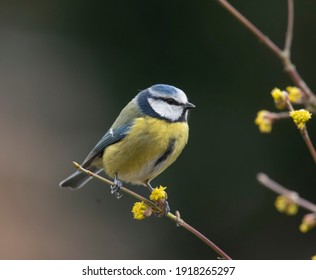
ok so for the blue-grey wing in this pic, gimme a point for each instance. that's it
(78, 179)
(111, 137)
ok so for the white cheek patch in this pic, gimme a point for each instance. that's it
(170, 112)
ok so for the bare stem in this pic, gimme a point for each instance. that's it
(285, 54)
(277, 188)
(290, 24)
(250, 26)
(308, 142)
(278, 116)
(171, 216)
(202, 237)
(304, 133)
(123, 189)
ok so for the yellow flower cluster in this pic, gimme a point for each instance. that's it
(141, 210)
(313, 257)
(263, 121)
(279, 98)
(295, 94)
(158, 193)
(285, 205)
(308, 222)
(300, 117)
(282, 100)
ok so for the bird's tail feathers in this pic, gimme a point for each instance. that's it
(78, 179)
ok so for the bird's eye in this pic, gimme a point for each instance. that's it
(171, 101)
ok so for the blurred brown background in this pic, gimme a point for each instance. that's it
(66, 70)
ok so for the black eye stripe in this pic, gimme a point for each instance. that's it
(169, 100)
(143, 101)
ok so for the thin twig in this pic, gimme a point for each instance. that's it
(283, 55)
(250, 26)
(123, 189)
(304, 133)
(202, 237)
(290, 24)
(171, 216)
(308, 142)
(277, 188)
(278, 116)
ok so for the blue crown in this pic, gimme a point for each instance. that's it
(167, 89)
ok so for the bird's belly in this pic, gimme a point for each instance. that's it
(146, 151)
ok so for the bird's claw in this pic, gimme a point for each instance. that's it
(116, 188)
(164, 205)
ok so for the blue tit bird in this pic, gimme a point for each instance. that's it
(146, 138)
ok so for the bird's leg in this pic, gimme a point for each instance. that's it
(165, 207)
(116, 188)
(148, 185)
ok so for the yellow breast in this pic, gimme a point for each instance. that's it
(149, 148)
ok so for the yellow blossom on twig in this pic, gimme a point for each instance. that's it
(141, 210)
(308, 222)
(158, 193)
(313, 257)
(263, 121)
(304, 227)
(286, 205)
(279, 98)
(295, 94)
(300, 117)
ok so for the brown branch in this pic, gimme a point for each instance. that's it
(277, 188)
(308, 142)
(289, 31)
(304, 133)
(277, 116)
(250, 26)
(285, 54)
(171, 216)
